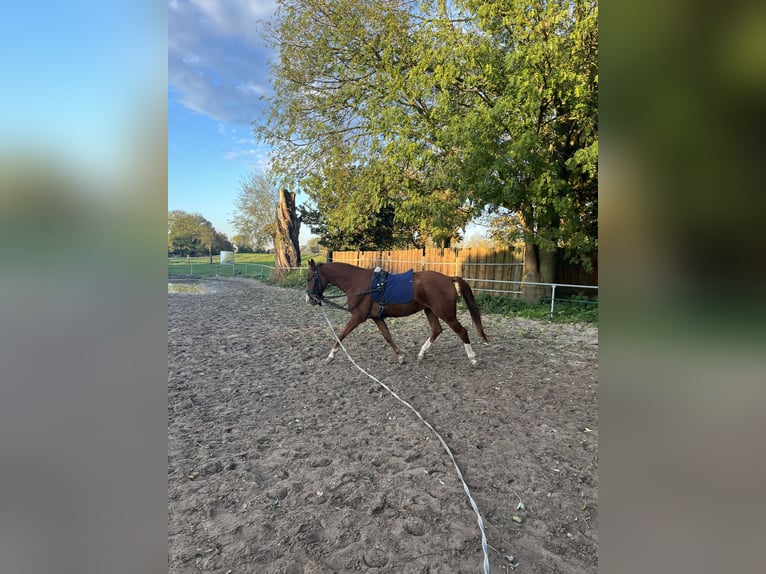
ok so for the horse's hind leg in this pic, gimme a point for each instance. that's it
(387, 336)
(463, 334)
(436, 328)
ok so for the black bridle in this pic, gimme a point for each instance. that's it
(317, 297)
(316, 294)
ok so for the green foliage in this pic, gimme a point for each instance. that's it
(312, 247)
(295, 279)
(192, 234)
(255, 212)
(505, 228)
(348, 117)
(409, 117)
(542, 113)
(371, 230)
(568, 310)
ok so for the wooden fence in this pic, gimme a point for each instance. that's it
(576, 275)
(486, 268)
(489, 270)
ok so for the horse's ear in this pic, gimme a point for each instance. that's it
(311, 264)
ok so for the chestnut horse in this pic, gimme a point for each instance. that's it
(433, 293)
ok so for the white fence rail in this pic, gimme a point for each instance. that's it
(259, 270)
(551, 285)
(263, 271)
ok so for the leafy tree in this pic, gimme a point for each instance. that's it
(254, 212)
(533, 143)
(242, 243)
(505, 228)
(221, 243)
(348, 217)
(436, 109)
(207, 238)
(375, 231)
(184, 232)
(312, 246)
(339, 119)
(192, 234)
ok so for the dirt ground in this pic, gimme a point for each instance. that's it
(281, 463)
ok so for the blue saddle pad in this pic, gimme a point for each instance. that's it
(398, 288)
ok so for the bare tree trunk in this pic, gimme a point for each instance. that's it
(547, 265)
(287, 252)
(539, 265)
(531, 293)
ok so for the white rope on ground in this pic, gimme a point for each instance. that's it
(438, 436)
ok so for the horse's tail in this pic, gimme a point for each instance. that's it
(465, 291)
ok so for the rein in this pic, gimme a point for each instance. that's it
(471, 501)
(322, 298)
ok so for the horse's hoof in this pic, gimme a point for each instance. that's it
(402, 359)
(474, 362)
(329, 359)
(420, 357)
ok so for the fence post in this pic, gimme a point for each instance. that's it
(553, 298)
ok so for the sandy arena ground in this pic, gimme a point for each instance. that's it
(281, 463)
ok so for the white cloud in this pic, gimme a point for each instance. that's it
(217, 63)
(255, 158)
(251, 88)
(233, 17)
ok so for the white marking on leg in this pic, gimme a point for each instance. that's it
(331, 356)
(470, 353)
(426, 346)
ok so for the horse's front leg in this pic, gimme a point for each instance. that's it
(387, 336)
(352, 324)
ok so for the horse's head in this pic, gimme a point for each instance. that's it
(315, 284)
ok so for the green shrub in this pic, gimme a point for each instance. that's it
(294, 279)
(565, 310)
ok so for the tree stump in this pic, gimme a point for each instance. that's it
(287, 252)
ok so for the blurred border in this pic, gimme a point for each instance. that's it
(681, 314)
(83, 336)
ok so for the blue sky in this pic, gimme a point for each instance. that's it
(218, 68)
(75, 77)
